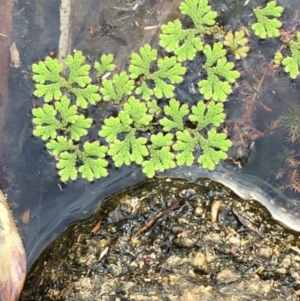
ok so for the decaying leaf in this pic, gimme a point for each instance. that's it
(12, 255)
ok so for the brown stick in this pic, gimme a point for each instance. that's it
(174, 206)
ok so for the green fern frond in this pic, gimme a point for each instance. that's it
(50, 82)
(213, 54)
(265, 26)
(67, 112)
(172, 35)
(71, 122)
(214, 149)
(185, 43)
(63, 118)
(78, 72)
(94, 165)
(204, 115)
(153, 108)
(67, 166)
(105, 64)
(200, 12)
(121, 85)
(140, 64)
(45, 122)
(168, 69)
(59, 145)
(129, 150)
(86, 95)
(278, 57)
(48, 79)
(177, 114)
(138, 113)
(237, 43)
(185, 146)
(220, 73)
(121, 132)
(114, 126)
(161, 157)
(79, 128)
(292, 63)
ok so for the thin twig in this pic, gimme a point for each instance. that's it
(174, 206)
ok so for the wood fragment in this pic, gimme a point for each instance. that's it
(215, 208)
(97, 227)
(103, 253)
(245, 222)
(174, 206)
(14, 56)
(295, 249)
(13, 257)
(150, 27)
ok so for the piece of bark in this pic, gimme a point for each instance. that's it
(12, 255)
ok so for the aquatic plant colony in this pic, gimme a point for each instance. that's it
(152, 128)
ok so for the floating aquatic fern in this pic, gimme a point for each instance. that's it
(266, 26)
(292, 63)
(237, 43)
(50, 82)
(214, 146)
(89, 161)
(155, 134)
(49, 120)
(161, 156)
(185, 43)
(105, 64)
(220, 73)
(167, 70)
(130, 122)
(117, 88)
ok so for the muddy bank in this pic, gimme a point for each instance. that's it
(168, 239)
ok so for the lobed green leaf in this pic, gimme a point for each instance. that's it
(177, 114)
(67, 166)
(265, 26)
(79, 128)
(200, 12)
(206, 114)
(105, 64)
(161, 157)
(138, 113)
(48, 91)
(49, 70)
(45, 122)
(140, 64)
(115, 126)
(59, 145)
(214, 149)
(292, 63)
(185, 145)
(78, 73)
(86, 95)
(68, 113)
(115, 89)
(94, 165)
